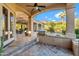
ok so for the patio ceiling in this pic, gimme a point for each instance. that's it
(21, 17)
(27, 8)
(30, 6)
(31, 9)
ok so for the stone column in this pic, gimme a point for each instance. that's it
(8, 24)
(42, 27)
(14, 26)
(37, 26)
(30, 25)
(70, 21)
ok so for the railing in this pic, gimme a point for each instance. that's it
(1, 45)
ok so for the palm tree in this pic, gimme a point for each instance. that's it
(62, 15)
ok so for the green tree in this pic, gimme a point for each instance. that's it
(50, 26)
(77, 23)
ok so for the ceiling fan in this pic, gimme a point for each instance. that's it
(36, 7)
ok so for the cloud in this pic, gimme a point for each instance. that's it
(57, 15)
(54, 20)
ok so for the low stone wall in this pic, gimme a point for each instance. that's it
(75, 47)
(54, 40)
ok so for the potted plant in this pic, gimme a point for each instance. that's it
(1, 45)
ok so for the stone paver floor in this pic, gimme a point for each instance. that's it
(20, 41)
(45, 50)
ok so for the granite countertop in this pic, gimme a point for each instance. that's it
(76, 41)
(58, 36)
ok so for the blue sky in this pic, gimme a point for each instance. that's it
(77, 10)
(53, 15)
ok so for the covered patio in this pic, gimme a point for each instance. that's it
(24, 13)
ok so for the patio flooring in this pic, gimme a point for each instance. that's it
(19, 42)
(45, 50)
(36, 49)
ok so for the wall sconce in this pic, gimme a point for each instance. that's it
(29, 32)
(25, 31)
(6, 33)
(10, 32)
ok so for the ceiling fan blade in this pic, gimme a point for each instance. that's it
(35, 5)
(32, 10)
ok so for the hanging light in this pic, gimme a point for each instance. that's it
(29, 32)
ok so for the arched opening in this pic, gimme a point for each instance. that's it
(54, 21)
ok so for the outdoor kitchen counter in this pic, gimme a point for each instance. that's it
(60, 41)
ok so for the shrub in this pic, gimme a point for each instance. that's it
(63, 32)
(77, 31)
(51, 29)
(77, 36)
(1, 45)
